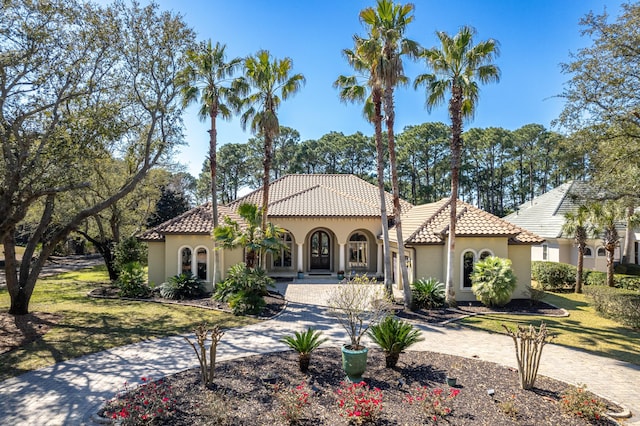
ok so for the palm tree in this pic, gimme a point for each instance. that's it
(457, 67)
(577, 224)
(254, 238)
(208, 77)
(363, 59)
(387, 24)
(605, 216)
(273, 83)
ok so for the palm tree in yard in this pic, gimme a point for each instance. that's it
(605, 216)
(457, 67)
(386, 24)
(273, 83)
(363, 59)
(577, 224)
(209, 78)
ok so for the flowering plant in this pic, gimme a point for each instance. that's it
(579, 402)
(293, 401)
(151, 400)
(432, 403)
(359, 403)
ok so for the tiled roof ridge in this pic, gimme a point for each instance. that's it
(205, 207)
(430, 219)
(296, 194)
(459, 214)
(564, 197)
(350, 196)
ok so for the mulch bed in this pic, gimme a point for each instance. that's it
(242, 393)
(464, 309)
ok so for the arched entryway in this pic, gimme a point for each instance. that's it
(320, 251)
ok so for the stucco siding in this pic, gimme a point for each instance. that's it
(155, 259)
(430, 262)
(521, 264)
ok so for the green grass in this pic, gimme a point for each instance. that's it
(583, 329)
(89, 325)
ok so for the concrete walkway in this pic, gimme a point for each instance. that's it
(68, 393)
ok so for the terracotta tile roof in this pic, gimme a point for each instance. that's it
(429, 224)
(198, 221)
(321, 195)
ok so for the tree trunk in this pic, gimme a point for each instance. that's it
(377, 101)
(455, 111)
(213, 166)
(628, 237)
(579, 268)
(397, 210)
(265, 179)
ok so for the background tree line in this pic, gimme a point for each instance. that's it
(500, 169)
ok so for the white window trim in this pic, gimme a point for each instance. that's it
(589, 255)
(476, 256)
(598, 249)
(194, 262)
(180, 258)
(365, 245)
(291, 243)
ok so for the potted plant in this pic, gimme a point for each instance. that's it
(300, 274)
(304, 343)
(358, 304)
(340, 275)
(394, 336)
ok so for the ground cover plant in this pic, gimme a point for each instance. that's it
(79, 325)
(270, 390)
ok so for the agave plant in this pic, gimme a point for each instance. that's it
(394, 336)
(304, 343)
(428, 293)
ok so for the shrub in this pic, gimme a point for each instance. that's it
(394, 336)
(150, 402)
(579, 402)
(207, 368)
(304, 343)
(493, 281)
(127, 251)
(528, 345)
(592, 278)
(428, 293)
(244, 289)
(181, 287)
(131, 282)
(358, 403)
(629, 269)
(617, 304)
(554, 276)
(627, 282)
(294, 401)
(432, 404)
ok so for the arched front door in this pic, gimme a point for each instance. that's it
(320, 250)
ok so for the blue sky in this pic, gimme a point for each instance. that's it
(535, 37)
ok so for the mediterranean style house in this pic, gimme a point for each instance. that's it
(545, 216)
(333, 224)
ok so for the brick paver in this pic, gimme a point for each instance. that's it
(68, 393)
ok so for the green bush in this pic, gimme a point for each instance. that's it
(244, 289)
(127, 251)
(428, 293)
(394, 336)
(628, 269)
(554, 276)
(493, 281)
(131, 282)
(627, 282)
(182, 287)
(617, 304)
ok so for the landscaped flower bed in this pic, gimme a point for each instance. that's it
(244, 393)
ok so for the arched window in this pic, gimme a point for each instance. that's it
(587, 252)
(468, 260)
(185, 261)
(601, 252)
(484, 254)
(358, 247)
(282, 259)
(201, 263)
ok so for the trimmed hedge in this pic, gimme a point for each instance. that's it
(554, 276)
(629, 269)
(617, 304)
(597, 278)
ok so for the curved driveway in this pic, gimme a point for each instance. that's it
(69, 392)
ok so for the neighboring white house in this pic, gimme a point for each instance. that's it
(545, 216)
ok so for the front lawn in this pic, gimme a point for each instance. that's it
(89, 325)
(582, 329)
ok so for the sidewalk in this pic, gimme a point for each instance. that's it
(70, 392)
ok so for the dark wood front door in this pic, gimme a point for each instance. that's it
(320, 250)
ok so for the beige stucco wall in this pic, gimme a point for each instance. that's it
(155, 259)
(520, 256)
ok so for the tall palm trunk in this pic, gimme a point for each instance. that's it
(397, 210)
(455, 112)
(268, 146)
(580, 268)
(213, 168)
(377, 123)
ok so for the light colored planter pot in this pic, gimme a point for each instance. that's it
(354, 363)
